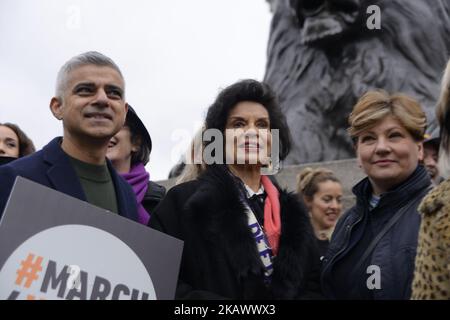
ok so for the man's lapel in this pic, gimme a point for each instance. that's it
(61, 172)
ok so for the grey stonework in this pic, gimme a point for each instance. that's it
(322, 57)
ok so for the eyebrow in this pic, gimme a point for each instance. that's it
(93, 85)
(84, 84)
(241, 118)
(388, 129)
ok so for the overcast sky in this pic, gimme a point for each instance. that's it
(175, 56)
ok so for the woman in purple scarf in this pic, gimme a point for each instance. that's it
(129, 152)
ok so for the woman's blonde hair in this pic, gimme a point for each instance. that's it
(194, 164)
(308, 180)
(374, 106)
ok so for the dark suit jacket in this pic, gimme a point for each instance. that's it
(51, 167)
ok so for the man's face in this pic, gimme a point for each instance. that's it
(93, 105)
(430, 160)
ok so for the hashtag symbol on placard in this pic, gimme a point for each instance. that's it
(29, 270)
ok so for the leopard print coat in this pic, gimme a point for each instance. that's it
(432, 269)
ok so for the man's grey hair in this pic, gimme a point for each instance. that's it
(88, 58)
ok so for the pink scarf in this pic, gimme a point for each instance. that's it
(272, 220)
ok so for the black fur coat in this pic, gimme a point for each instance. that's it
(220, 259)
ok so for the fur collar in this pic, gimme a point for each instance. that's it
(217, 213)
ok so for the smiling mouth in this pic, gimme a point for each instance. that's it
(98, 116)
(250, 146)
(331, 215)
(384, 162)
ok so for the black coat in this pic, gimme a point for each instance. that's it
(155, 193)
(395, 252)
(51, 167)
(220, 259)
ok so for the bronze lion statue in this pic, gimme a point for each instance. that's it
(322, 57)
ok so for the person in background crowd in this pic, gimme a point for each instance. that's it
(177, 169)
(129, 151)
(431, 157)
(244, 237)
(321, 191)
(193, 163)
(372, 250)
(90, 102)
(14, 143)
(432, 268)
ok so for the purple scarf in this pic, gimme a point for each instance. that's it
(138, 178)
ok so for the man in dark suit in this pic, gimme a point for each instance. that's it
(90, 102)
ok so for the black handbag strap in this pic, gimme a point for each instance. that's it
(389, 225)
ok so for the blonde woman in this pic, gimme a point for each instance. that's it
(432, 273)
(371, 254)
(193, 162)
(321, 191)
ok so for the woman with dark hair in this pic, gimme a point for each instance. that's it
(244, 237)
(432, 268)
(129, 151)
(14, 143)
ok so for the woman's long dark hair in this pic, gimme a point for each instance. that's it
(254, 91)
(26, 146)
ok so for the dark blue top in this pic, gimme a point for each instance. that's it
(394, 254)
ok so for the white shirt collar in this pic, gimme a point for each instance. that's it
(251, 193)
